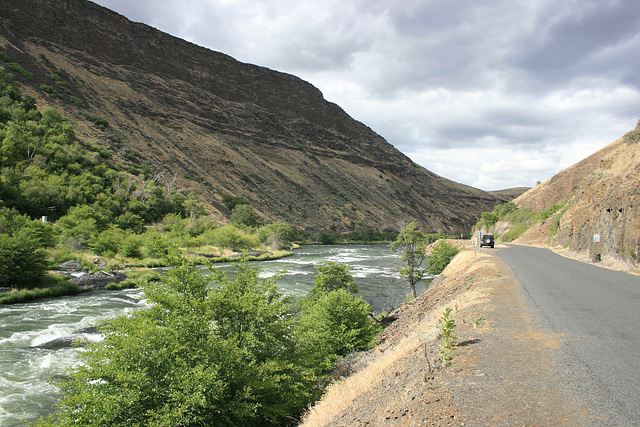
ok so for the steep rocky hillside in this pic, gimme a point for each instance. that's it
(204, 122)
(509, 193)
(600, 194)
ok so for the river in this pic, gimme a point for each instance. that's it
(34, 336)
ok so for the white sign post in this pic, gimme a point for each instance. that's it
(596, 240)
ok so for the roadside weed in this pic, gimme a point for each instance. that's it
(446, 327)
(479, 322)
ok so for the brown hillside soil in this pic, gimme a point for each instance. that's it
(503, 372)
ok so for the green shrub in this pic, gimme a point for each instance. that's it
(21, 71)
(232, 201)
(22, 259)
(100, 122)
(278, 235)
(131, 246)
(201, 355)
(336, 324)
(108, 242)
(632, 137)
(51, 91)
(78, 102)
(245, 215)
(333, 276)
(515, 231)
(441, 255)
(232, 238)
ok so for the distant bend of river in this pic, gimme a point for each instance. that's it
(35, 337)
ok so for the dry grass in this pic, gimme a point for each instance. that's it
(343, 392)
(340, 395)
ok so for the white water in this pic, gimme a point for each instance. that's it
(26, 370)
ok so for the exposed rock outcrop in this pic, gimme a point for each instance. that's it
(601, 195)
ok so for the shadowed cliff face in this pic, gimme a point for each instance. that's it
(217, 126)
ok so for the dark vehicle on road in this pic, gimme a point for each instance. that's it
(487, 240)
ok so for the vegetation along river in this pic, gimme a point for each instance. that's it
(35, 337)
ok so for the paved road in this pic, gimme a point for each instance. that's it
(597, 311)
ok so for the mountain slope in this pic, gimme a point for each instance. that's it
(202, 121)
(601, 195)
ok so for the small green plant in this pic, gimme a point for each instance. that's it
(448, 340)
(51, 91)
(78, 102)
(467, 285)
(479, 322)
(101, 123)
(408, 298)
(632, 137)
(18, 69)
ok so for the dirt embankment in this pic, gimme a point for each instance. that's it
(504, 371)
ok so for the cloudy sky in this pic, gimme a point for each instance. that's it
(492, 93)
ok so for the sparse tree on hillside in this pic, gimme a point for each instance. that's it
(412, 245)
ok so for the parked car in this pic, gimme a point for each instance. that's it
(487, 240)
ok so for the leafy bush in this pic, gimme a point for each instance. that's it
(200, 355)
(101, 123)
(131, 246)
(245, 215)
(278, 235)
(489, 219)
(336, 324)
(232, 201)
(333, 276)
(108, 242)
(22, 259)
(232, 238)
(515, 231)
(18, 69)
(441, 255)
(632, 137)
(78, 102)
(51, 91)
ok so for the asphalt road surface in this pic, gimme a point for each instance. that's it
(597, 313)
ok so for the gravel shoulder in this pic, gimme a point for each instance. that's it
(505, 369)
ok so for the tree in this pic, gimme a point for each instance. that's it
(333, 322)
(333, 276)
(22, 259)
(278, 234)
(441, 255)
(245, 215)
(232, 201)
(230, 237)
(194, 208)
(412, 245)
